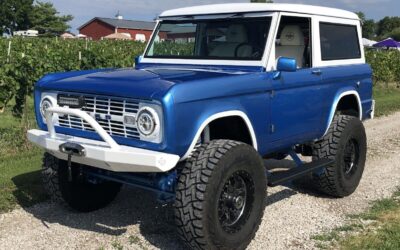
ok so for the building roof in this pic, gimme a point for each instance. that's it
(259, 7)
(123, 23)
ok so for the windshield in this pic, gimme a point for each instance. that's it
(233, 39)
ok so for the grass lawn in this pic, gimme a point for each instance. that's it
(387, 100)
(20, 181)
(20, 161)
(383, 231)
(384, 235)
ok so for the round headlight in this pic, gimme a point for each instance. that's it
(147, 121)
(44, 105)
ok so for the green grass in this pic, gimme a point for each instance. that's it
(382, 233)
(13, 131)
(20, 181)
(116, 245)
(20, 163)
(335, 234)
(387, 100)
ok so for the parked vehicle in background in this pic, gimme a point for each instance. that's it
(218, 89)
(140, 37)
(26, 33)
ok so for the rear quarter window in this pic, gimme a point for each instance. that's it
(339, 42)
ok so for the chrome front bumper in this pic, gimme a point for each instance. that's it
(105, 154)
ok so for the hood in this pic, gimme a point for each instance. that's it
(145, 83)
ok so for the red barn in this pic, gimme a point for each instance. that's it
(100, 27)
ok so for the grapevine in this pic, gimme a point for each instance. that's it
(23, 61)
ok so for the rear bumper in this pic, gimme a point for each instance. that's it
(99, 154)
(372, 114)
(106, 154)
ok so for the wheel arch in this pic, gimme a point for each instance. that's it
(340, 97)
(221, 115)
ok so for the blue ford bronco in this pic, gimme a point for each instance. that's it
(218, 89)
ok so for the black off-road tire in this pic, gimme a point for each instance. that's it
(342, 178)
(201, 193)
(78, 193)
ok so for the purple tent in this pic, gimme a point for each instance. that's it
(387, 43)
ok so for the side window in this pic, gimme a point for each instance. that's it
(294, 40)
(339, 42)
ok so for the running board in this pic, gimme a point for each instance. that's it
(280, 177)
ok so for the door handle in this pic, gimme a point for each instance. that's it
(317, 72)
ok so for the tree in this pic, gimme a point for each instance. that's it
(368, 26)
(395, 34)
(369, 29)
(46, 19)
(14, 14)
(387, 25)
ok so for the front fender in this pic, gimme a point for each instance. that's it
(190, 119)
(197, 103)
(207, 119)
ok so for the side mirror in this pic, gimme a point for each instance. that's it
(138, 59)
(285, 64)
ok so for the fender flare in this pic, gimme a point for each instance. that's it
(219, 115)
(336, 101)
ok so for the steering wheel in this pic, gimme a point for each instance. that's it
(254, 54)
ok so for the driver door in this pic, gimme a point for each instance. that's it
(295, 98)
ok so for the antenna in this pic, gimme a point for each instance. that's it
(119, 16)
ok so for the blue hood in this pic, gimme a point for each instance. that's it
(145, 83)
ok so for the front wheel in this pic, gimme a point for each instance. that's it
(73, 189)
(220, 196)
(345, 143)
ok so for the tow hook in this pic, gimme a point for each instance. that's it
(71, 149)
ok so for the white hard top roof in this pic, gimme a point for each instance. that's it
(259, 7)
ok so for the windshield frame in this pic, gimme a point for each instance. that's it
(212, 61)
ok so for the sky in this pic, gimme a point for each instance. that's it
(84, 10)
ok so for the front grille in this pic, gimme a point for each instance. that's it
(109, 113)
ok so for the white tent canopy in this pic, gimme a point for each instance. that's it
(118, 36)
(368, 43)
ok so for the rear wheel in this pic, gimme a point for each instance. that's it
(345, 142)
(220, 196)
(74, 190)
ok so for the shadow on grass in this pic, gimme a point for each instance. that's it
(29, 189)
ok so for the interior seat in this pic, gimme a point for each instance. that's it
(235, 36)
(291, 44)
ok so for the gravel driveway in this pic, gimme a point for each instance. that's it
(136, 221)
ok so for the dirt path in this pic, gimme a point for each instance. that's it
(136, 221)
